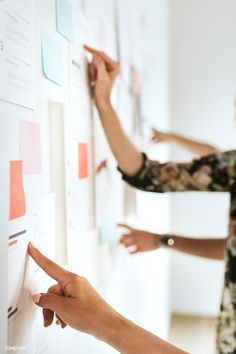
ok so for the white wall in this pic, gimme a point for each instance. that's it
(131, 284)
(202, 88)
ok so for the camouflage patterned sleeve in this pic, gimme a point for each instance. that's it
(216, 172)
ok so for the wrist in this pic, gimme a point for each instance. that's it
(167, 240)
(103, 104)
(115, 330)
(170, 137)
(127, 337)
(175, 138)
(157, 240)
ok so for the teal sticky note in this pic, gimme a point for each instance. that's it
(64, 17)
(107, 228)
(52, 59)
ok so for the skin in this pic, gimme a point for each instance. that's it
(143, 241)
(74, 302)
(103, 71)
(197, 148)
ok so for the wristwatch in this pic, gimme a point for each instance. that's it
(167, 240)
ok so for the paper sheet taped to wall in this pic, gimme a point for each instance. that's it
(17, 194)
(30, 147)
(107, 227)
(52, 61)
(17, 52)
(25, 277)
(64, 16)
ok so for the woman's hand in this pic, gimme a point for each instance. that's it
(159, 137)
(139, 241)
(102, 74)
(73, 300)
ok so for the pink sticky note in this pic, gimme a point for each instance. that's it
(83, 160)
(136, 84)
(30, 147)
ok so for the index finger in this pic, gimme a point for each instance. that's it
(154, 130)
(91, 50)
(103, 55)
(126, 226)
(51, 268)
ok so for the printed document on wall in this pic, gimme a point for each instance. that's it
(4, 211)
(25, 277)
(79, 177)
(17, 52)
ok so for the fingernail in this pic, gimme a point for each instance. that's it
(36, 298)
(32, 244)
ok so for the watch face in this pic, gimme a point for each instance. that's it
(170, 242)
(167, 241)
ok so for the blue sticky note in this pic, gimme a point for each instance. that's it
(107, 228)
(52, 60)
(64, 18)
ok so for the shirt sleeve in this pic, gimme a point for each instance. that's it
(216, 172)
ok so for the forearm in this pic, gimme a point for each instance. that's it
(128, 338)
(196, 148)
(129, 158)
(207, 248)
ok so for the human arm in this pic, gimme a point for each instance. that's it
(102, 73)
(210, 173)
(214, 172)
(197, 148)
(76, 303)
(143, 241)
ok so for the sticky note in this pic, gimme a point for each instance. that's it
(107, 228)
(136, 84)
(30, 147)
(64, 18)
(52, 59)
(83, 160)
(17, 194)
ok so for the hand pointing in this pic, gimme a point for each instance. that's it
(72, 300)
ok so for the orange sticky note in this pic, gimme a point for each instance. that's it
(83, 160)
(17, 194)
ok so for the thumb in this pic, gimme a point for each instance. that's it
(49, 301)
(101, 68)
(92, 72)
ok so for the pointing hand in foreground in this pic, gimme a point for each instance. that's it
(76, 303)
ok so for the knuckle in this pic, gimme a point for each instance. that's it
(83, 280)
(73, 276)
(51, 288)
